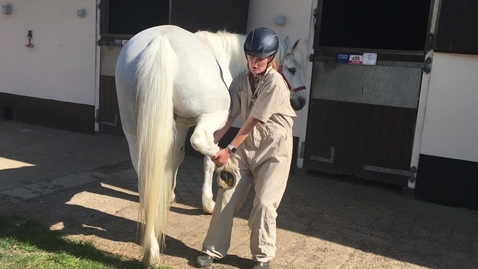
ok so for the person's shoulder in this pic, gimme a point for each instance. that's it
(239, 78)
(272, 72)
(241, 75)
(276, 78)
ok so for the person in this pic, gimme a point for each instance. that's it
(261, 150)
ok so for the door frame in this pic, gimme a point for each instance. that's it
(97, 64)
(423, 93)
(423, 87)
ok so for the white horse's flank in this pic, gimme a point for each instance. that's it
(168, 80)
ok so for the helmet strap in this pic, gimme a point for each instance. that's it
(272, 59)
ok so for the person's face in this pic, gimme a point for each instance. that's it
(257, 65)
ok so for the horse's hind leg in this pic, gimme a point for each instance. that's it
(133, 152)
(178, 154)
(151, 255)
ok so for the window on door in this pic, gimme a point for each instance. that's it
(128, 17)
(374, 24)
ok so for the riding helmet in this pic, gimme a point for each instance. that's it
(261, 42)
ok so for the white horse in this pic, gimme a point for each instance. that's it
(167, 80)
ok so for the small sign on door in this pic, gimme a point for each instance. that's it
(355, 59)
(370, 58)
(342, 58)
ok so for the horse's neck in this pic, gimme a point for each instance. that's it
(229, 50)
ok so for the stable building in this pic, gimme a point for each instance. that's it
(392, 86)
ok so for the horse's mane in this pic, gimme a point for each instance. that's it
(227, 46)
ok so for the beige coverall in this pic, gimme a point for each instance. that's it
(263, 160)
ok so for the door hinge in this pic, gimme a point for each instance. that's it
(102, 42)
(430, 42)
(302, 150)
(311, 57)
(428, 65)
(97, 112)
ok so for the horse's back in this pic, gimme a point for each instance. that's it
(131, 52)
(198, 85)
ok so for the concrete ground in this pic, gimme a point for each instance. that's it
(84, 186)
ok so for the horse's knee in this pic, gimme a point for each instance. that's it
(197, 142)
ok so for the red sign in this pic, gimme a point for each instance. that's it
(355, 59)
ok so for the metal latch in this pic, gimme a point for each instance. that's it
(325, 160)
(109, 123)
(410, 174)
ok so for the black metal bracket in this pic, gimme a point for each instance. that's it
(428, 65)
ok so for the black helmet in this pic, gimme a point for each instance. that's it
(261, 42)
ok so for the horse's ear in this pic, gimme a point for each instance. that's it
(295, 44)
(286, 42)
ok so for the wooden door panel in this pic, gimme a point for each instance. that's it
(364, 118)
(351, 138)
(361, 134)
(108, 115)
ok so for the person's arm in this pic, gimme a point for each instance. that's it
(244, 132)
(223, 155)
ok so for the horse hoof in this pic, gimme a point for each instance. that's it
(208, 208)
(151, 260)
(226, 180)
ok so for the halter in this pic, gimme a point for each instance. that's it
(298, 89)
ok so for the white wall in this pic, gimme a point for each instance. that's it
(298, 25)
(451, 119)
(61, 66)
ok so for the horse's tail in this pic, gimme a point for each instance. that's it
(155, 132)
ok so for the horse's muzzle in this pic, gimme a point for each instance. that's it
(298, 103)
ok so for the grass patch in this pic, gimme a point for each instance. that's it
(27, 244)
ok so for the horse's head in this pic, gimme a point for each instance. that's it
(288, 64)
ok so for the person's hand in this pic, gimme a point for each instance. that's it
(221, 157)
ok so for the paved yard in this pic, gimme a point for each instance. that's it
(84, 185)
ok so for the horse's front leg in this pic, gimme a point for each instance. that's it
(207, 195)
(202, 139)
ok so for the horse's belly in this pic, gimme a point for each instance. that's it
(193, 105)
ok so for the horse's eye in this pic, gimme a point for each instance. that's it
(291, 70)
